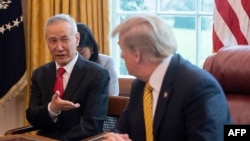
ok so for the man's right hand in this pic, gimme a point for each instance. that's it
(110, 136)
(57, 104)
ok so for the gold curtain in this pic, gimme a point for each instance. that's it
(94, 13)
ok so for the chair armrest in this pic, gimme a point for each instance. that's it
(21, 130)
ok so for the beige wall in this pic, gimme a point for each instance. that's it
(11, 114)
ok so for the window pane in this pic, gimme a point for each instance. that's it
(137, 5)
(207, 6)
(185, 33)
(178, 5)
(123, 69)
(206, 39)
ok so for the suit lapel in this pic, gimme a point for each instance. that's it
(50, 77)
(75, 78)
(165, 93)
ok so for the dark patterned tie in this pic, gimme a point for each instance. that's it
(59, 81)
(148, 116)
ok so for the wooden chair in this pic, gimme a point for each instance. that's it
(125, 85)
(115, 108)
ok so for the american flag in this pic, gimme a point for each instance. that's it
(12, 47)
(231, 23)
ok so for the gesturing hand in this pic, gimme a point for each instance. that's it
(116, 137)
(57, 104)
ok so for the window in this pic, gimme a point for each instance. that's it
(191, 22)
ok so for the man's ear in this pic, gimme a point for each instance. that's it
(77, 38)
(137, 55)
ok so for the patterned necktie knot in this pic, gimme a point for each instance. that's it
(60, 71)
(148, 87)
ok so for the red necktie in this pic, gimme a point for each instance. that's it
(59, 81)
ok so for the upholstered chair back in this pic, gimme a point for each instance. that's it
(231, 67)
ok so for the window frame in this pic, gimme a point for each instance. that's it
(115, 14)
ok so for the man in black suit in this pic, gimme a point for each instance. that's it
(188, 104)
(82, 109)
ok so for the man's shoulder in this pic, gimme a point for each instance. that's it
(187, 70)
(45, 66)
(44, 70)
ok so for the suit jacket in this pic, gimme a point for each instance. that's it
(191, 107)
(87, 85)
(108, 63)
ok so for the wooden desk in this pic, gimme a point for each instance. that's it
(31, 137)
(94, 138)
(24, 137)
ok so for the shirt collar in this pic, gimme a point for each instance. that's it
(157, 76)
(69, 67)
